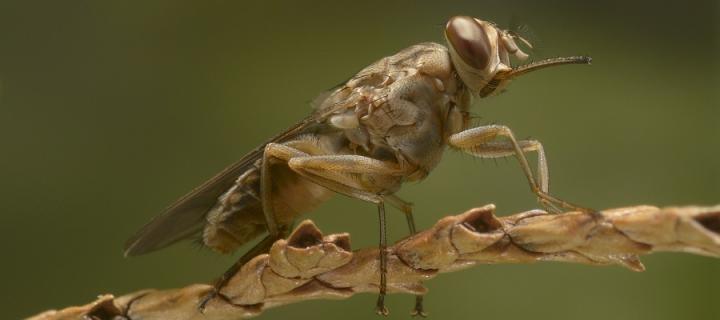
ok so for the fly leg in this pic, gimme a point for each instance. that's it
(474, 140)
(273, 153)
(501, 149)
(262, 247)
(406, 207)
(380, 307)
(335, 173)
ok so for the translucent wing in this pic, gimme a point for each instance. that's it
(185, 217)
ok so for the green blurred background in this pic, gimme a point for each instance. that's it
(111, 110)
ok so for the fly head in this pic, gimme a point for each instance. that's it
(480, 53)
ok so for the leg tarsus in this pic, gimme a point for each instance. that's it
(549, 206)
(418, 310)
(380, 307)
(262, 247)
(209, 296)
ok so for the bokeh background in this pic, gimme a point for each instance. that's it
(111, 110)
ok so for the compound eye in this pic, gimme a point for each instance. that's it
(469, 40)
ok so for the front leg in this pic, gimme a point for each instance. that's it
(501, 149)
(479, 142)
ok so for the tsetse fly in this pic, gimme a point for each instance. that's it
(387, 125)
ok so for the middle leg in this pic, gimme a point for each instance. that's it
(406, 207)
(335, 172)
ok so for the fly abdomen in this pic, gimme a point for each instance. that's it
(237, 217)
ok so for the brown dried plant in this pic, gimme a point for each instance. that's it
(309, 265)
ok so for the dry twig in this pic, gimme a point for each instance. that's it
(309, 265)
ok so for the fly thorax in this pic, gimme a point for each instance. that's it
(380, 119)
(349, 123)
(346, 120)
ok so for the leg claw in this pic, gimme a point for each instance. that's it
(549, 206)
(596, 215)
(418, 310)
(382, 311)
(420, 313)
(206, 299)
